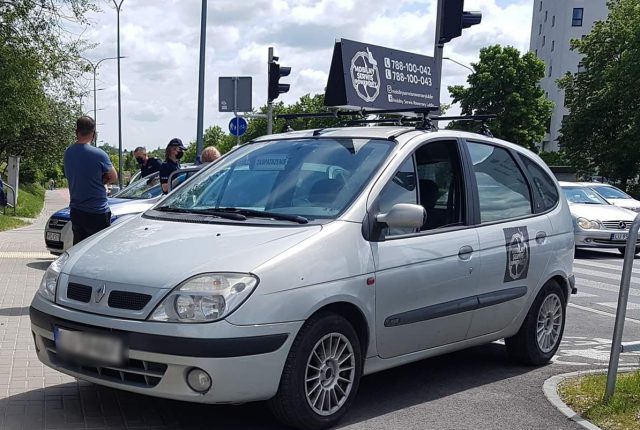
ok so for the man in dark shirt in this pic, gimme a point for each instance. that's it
(148, 165)
(173, 154)
(88, 169)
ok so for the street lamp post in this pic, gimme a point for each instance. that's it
(118, 5)
(458, 63)
(94, 68)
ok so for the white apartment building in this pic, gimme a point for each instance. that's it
(555, 23)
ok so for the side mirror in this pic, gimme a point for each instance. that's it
(404, 215)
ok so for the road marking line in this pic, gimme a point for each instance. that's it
(614, 305)
(599, 312)
(582, 295)
(583, 282)
(26, 255)
(614, 277)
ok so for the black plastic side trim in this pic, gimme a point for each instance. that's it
(172, 345)
(455, 306)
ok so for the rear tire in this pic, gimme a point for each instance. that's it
(622, 249)
(321, 375)
(540, 335)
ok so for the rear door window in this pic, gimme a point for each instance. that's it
(543, 186)
(503, 191)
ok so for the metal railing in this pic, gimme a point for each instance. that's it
(623, 297)
(15, 200)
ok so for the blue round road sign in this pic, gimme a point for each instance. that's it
(238, 126)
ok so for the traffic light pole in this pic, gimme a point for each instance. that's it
(201, 76)
(438, 49)
(269, 102)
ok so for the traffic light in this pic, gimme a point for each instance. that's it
(453, 19)
(276, 71)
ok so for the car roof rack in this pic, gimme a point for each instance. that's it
(422, 120)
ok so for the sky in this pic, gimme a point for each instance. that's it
(160, 38)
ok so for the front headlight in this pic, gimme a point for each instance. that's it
(586, 224)
(205, 298)
(50, 279)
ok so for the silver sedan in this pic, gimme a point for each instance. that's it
(597, 224)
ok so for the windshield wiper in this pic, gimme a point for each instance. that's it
(212, 212)
(263, 214)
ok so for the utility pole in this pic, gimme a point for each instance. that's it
(120, 161)
(438, 49)
(269, 102)
(203, 43)
(94, 68)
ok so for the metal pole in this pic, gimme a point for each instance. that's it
(269, 102)
(95, 118)
(120, 160)
(203, 43)
(235, 108)
(621, 312)
(438, 49)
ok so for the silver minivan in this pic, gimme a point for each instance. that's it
(300, 262)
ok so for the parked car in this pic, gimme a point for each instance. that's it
(615, 196)
(300, 262)
(134, 199)
(597, 223)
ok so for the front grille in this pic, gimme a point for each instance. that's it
(57, 223)
(54, 245)
(80, 293)
(138, 373)
(616, 225)
(128, 300)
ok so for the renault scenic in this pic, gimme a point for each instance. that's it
(303, 261)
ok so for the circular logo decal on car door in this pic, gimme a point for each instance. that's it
(517, 245)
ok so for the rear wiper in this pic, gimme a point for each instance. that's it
(212, 212)
(263, 214)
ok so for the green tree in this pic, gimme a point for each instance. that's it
(602, 132)
(505, 83)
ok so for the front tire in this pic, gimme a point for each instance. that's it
(622, 249)
(540, 335)
(321, 375)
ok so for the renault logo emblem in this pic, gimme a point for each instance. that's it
(100, 293)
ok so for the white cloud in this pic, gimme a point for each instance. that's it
(161, 40)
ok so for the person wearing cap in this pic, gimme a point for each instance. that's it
(173, 154)
(148, 165)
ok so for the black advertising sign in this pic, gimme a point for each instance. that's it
(373, 77)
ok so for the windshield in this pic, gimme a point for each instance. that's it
(583, 195)
(305, 178)
(144, 188)
(609, 192)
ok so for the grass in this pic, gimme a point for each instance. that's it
(9, 222)
(584, 395)
(30, 201)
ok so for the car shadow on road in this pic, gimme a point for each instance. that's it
(40, 264)
(14, 312)
(381, 393)
(588, 254)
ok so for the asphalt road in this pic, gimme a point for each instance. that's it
(478, 388)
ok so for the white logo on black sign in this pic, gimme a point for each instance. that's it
(365, 75)
(517, 245)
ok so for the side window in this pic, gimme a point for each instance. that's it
(440, 184)
(401, 189)
(502, 188)
(544, 187)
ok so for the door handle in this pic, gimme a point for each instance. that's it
(465, 252)
(541, 236)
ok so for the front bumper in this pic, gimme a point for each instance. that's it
(65, 233)
(245, 362)
(599, 239)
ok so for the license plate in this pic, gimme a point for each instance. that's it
(89, 347)
(619, 236)
(53, 236)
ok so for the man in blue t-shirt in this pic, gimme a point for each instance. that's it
(88, 170)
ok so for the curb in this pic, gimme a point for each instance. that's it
(550, 389)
